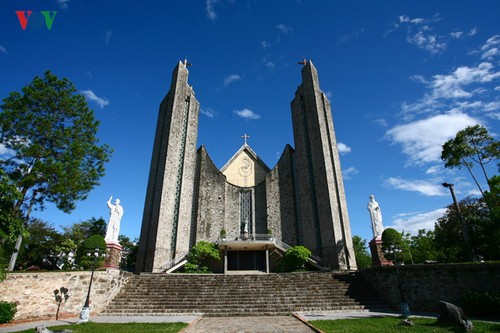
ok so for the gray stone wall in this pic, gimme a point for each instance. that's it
(281, 210)
(425, 285)
(210, 218)
(34, 292)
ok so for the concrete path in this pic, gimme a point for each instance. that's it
(274, 324)
(199, 324)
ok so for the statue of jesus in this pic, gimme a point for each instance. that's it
(115, 215)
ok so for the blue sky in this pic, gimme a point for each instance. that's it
(403, 77)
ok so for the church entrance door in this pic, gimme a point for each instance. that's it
(246, 260)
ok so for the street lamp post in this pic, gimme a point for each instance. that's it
(85, 313)
(462, 220)
(405, 308)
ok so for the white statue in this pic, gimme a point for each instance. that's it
(376, 217)
(115, 215)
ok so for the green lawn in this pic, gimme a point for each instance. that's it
(392, 325)
(119, 328)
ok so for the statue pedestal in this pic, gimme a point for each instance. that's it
(114, 255)
(378, 258)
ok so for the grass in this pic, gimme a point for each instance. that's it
(119, 328)
(392, 325)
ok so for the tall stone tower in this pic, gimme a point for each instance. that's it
(166, 223)
(321, 202)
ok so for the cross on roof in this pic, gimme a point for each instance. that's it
(245, 137)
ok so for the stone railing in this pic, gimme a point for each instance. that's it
(34, 292)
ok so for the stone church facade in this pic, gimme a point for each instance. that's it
(301, 201)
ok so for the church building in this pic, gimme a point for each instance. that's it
(252, 212)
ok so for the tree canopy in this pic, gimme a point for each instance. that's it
(472, 145)
(50, 136)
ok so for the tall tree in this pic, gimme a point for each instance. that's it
(483, 233)
(363, 258)
(423, 247)
(50, 133)
(472, 145)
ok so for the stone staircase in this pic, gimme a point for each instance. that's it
(243, 295)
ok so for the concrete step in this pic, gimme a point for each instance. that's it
(240, 295)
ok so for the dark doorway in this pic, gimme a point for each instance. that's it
(246, 260)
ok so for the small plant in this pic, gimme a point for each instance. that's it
(223, 233)
(294, 259)
(60, 295)
(7, 311)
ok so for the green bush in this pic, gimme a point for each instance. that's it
(89, 245)
(199, 255)
(7, 311)
(481, 304)
(294, 259)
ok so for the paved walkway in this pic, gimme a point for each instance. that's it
(289, 324)
(274, 324)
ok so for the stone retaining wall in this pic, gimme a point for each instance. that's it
(34, 292)
(425, 285)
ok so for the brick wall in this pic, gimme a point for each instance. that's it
(425, 285)
(34, 292)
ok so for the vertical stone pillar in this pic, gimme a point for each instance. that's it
(378, 258)
(225, 262)
(114, 255)
(267, 261)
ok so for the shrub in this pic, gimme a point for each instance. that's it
(199, 255)
(7, 311)
(89, 245)
(481, 304)
(294, 259)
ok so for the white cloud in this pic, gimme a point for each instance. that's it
(107, 36)
(328, 94)
(449, 91)
(451, 86)
(420, 34)
(268, 63)
(63, 3)
(497, 88)
(422, 139)
(3, 49)
(472, 31)
(428, 188)
(265, 44)
(343, 148)
(247, 114)
(208, 112)
(430, 42)
(491, 48)
(456, 34)
(211, 14)
(412, 222)
(433, 170)
(101, 101)
(284, 28)
(407, 19)
(380, 122)
(347, 173)
(231, 78)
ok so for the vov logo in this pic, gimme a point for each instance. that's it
(35, 19)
